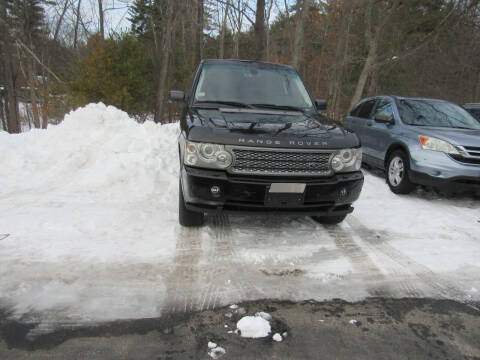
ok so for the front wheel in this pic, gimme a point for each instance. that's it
(397, 173)
(186, 217)
(329, 220)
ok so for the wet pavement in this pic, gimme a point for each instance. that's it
(375, 328)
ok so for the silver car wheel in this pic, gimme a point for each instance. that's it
(396, 171)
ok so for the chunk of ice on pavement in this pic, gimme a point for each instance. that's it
(264, 315)
(217, 352)
(277, 337)
(211, 345)
(253, 327)
(234, 306)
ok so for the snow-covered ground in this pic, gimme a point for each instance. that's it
(88, 233)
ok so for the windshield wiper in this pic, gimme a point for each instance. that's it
(284, 127)
(228, 103)
(279, 107)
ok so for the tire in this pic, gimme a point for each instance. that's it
(186, 217)
(397, 173)
(329, 220)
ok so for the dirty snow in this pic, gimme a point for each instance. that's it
(253, 327)
(88, 233)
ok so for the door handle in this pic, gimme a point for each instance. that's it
(369, 124)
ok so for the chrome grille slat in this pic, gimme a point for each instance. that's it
(471, 151)
(271, 162)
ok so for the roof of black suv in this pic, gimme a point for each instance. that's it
(237, 61)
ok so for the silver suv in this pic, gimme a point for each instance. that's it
(419, 141)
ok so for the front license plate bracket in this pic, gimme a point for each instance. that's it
(285, 195)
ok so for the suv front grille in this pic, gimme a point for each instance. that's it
(472, 150)
(470, 155)
(271, 162)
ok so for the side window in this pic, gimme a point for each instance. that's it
(385, 108)
(365, 109)
(356, 110)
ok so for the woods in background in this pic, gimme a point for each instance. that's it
(56, 55)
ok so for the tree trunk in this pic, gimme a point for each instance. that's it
(100, 18)
(300, 32)
(3, 112)
(77, 22)
(33, 96)
(366, 70)
(259, 29)
(167, 45)
(199, 40)
(224, 29)
(340, 61)
(6, 49)
(60, 20)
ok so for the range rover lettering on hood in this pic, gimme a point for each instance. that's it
(282, 142)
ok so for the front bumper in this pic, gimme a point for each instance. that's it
(433, 168)
(249, 194)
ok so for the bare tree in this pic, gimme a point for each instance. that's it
(259, 29)
(101, 19)
(77, 23)
(373, 36)
(224, 30)
(340, 60)
(60, 20)
(9, 72)
(302, 16)
(199, 33)
(168, 30)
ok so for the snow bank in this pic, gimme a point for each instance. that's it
(90, 206)
(96, 147)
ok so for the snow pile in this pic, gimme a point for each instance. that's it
(253, 327)
(96, 147)
(90, 207)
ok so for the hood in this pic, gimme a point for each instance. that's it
(267, 128)
(462, 137)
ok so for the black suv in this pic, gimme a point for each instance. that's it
(253, 141)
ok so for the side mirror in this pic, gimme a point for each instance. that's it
(384, 117)
(176, 96)
(321, 104)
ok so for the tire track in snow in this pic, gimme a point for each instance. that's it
(361, 262)
(444, 287)
(229, 280)
(181, 294)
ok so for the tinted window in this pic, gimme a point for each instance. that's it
(251, 83)
(435, 113)
(384, 107)
(366, 109)
(356, 110)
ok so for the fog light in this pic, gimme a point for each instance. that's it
(215, 190)
(343, 192)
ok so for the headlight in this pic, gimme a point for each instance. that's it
(431, 143)
(347, 160)
(206, 155)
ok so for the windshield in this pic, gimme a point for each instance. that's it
(435, 113)
(252, 83)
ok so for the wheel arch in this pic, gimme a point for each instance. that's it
(394, 147)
